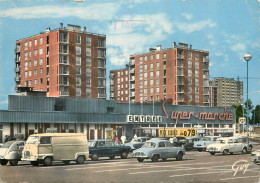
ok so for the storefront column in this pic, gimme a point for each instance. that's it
(129, 131)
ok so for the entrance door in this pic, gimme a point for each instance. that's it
(92, 134)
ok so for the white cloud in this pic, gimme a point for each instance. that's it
(187, 16)
(218, 53)
(89, 12)
(135, 34)
(4, 102)
(196, 26)
(240, 49)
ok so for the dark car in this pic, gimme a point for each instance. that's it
(189, 146)
(106, 148)
(11, 151)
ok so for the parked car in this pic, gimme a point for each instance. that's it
(48, 147)
(255, 156)
(244, 140)
(227, 145)
(204, 142)
(136, 143)
(189, 145)
(11, 151)
(158, 149)
(106, 148)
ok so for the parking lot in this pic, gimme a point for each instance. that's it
(195, 167)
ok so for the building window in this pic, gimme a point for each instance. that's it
(88, 41)
(88, 71)
(157, 73)
(157, 56)
(41, 70)
(78, 91)
(151, 66)
(141, 59)
(78, 60)
(145, 66)
(30, 73)
(35, 72)
(145, 58)
(30, 53)
(35, 81)
(30, 83)
(64, 37)
(25, 55)
(101, 53)
(78, 39)
(157, 90)
(151, 82)
(151, 57)
(189, 54)
(41, 40)
(78, 50)
(41, 61)
(25, 45)
(41, 80)
(30, 43)
(88, 91)
(151, 74)
(25, 65)
(41, 52)
(88, 52)
(35, 62)
(101, 43)
(88, 81)
(88, 61)
(78, 80)
(64, 48)
(30, 63)
(151, 90)
(145, 75)
(35, 52)
(78, 70)
(35, 42)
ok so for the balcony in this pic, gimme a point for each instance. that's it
(18, 49)
(205, 77)
(64, 93)
(180, 56)
(100, 95)
(132, 94)
(17, 69)
(132, 86)
(132, 62)
(64, 83)
(132, 78)
(111, 82)
(132, 71)
(63, 62)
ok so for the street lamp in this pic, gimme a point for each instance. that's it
(247, 57)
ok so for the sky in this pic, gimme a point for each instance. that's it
(226, 28)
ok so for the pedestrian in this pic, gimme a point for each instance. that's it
(6, 138)
(116, 139)
(123, 139)
(135, 136)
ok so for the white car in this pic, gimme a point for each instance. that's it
(255, 156)
(202, 144)
(227, 145)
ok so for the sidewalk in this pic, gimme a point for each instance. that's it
(251, 135)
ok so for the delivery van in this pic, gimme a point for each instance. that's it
(48, 147)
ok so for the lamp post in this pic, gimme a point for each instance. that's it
(247, 57)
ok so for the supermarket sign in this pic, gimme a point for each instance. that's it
(144, 119)
(178, 132)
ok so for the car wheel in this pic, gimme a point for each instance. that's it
(155, 158)
(212, 153)
(179, 156)
(34, 163)
(4, 162)
(47, 161)
(140, 159)
(164, 159)
(200, 150)
(225, 152)
(231, 153)
(244, 151)
(111, 157)
(13, 162)
(124, 155)
(94, 157)
(80, 159)
(66, 162)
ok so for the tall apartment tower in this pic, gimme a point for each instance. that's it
(63, 62)
(229, 91)
(179, 73)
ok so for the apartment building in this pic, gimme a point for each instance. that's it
(63, 62)
(179, 73)
(229, 91)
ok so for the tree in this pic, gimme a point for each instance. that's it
(239, 111)
(250, 107)
(255, 115)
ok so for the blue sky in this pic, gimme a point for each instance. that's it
(226, 28)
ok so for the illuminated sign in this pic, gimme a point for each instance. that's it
(179, 115)
(172, 132)
(143, 119)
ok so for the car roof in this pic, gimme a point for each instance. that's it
(157, 140)
(100, 140)
(56, 134)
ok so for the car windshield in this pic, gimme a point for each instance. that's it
(136, 140)
(7, 145)
(32, 140)
(220, 141)
(149, 144)
(206, 139)
(91, 143)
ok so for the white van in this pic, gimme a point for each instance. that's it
(49, 147)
